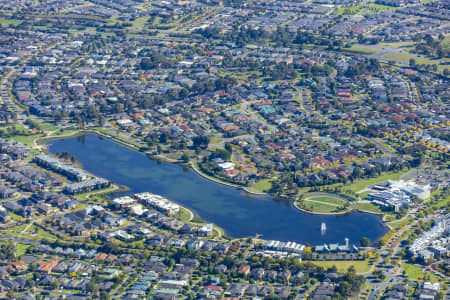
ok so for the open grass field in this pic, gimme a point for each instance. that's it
(109, 190)
(318, 207)
(26, 139)
(369, 207)
(261, 186)
(361, 266)
(400, 223)
(361, 50)
(10, 22)
(329, 200)
(139, 23)
(21, 249)
(184, 215)
(396, 45)
(362, 184)
(416, 272)
(405, 57)
(364, 9)
(32, 232)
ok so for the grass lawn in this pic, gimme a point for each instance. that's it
(328, 200)
(441, 204)
(362, 184)
(65, 132)
(261, 186)
(19, 127)
(365, 9)
(215, 140)
(26, 139)
(37, 234)
(183, 215)
(361, 50)
(21, 249)
(108, 190)
(351, 10)
(48, 127)
(18, 229)
(396, 45)
(369, 207)
(138, 23)
(319, 207)
(10, 22)
(387, 146)
(415, 272)
(399, 223)
(405, 57)
(361, 266)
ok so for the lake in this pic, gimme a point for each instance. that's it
(237, 212)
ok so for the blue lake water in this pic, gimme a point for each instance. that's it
(234, 210)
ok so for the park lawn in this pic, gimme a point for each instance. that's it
(139, 23)
(400, 223)
(363, 195)
(441, 204)
(380, 7)
(362, 184)
(18, 229)
(64, 132)
(215, 140)
(319, 207)
(10, 22)
(48, 126)
(39, 235)
(21, 249)
(361, 50)
(351, 10)
(328, 200)
(26, 139)
(387, 146)
(361, 266)
(365, 9)
(405, 58)
(369, 207)
(108, 190)
(19, 127)
(261, 186)
(415, 272)
(396, 45)
(183, 215)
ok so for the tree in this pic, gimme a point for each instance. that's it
(8, 251)
(104, 295)
(412, 62)
(185, 157)
(54, 285)
(29, 283)
(379, 274)
(200, 142)
(364, 242)
(92, 288)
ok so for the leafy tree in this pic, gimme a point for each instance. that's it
(364, 242)
(104, 296)
(200, 142)
(54, 285)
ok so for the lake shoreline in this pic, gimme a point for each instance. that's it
(255, 210)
